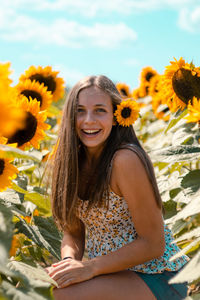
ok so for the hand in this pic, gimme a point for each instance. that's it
(70, 271)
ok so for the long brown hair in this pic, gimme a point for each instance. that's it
(70, 152)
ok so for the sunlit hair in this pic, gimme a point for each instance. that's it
(71, 154)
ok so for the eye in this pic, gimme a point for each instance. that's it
(100, 110)
(80, 110)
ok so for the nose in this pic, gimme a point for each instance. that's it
(89, 118)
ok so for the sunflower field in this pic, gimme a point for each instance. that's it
(168, 126)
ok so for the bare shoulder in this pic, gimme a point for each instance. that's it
(126, 159)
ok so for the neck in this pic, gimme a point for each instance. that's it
(92, 156)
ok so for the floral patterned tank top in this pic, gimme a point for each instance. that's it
(111, 228)
(108, 230)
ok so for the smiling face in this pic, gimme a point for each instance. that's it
(94, 118)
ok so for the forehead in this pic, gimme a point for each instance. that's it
(93, 96)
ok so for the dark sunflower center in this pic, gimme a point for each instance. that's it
(47, 80)
(185, 85)
(148, 76)
(2, 166)
(124, 92)
(126, 112)
(25, 135)
(33, 95)
(166, 109)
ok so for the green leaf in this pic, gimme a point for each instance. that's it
(50, 232)
(187, 249)
(191, 180)
(10, 152)
(26, 292)
(6, 231)
(31, 272)
(176, 153)
(189, 235)
(174, 121)
(41, 201)
(41, 237)
(190, 273)
(170, 208)
(192, 208)
(174, 192)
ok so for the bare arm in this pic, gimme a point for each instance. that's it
(133, 184)
(73, 243)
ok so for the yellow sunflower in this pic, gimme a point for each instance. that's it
(127, 112)
(123, 89)
(35, 90)
(33, 131)
(48, 77)
(29, 218)
(11, 118)
(154, 85)
(194, 111)
(15, 245)
(164, 113)
(5, 73)
(8, 172)
(146, 74)
(181, 82)
(136, 93)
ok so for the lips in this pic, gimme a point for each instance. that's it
(91, 131)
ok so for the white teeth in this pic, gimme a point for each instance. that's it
(91, 131)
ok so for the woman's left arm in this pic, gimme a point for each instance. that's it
(132, 181)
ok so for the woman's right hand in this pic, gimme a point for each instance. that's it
(70, 271)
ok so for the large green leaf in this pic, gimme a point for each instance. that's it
(189, 235)
(26, 292)
(187, 249)
(176, 153)
(41, 237)
(192, 208)
(50, 232)
(176, 119)
(191, 180)
(6, 231)
(181, 136)
(41, 201)
(10, 152)
(31, 272)
(190, 273)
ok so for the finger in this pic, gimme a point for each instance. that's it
(57, 276)
(48, 270)
(58, 268)
(60, 262)
(66, 282)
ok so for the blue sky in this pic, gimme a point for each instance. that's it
(116, 38)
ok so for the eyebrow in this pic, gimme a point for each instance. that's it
(80, 105)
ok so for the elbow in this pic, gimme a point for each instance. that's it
(159, 249)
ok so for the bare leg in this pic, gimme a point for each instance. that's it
(116, 286)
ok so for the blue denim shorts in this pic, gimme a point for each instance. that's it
(160, 287)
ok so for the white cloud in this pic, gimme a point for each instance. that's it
(94, 7)
(190, 19)
(65, 33)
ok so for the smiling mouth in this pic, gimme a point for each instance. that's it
(91, 132)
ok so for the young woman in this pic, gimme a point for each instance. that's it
(104, 185)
